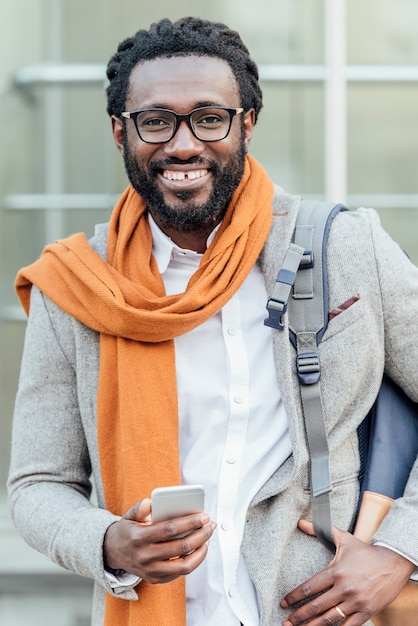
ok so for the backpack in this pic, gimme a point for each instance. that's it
(388, 448)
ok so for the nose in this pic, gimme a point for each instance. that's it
(184, 144)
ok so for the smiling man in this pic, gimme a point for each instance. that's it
(186, 172)
(147, 364)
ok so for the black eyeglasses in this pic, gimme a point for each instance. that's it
(160, 125)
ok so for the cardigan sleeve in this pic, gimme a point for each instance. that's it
(398, 279)
(49, 479)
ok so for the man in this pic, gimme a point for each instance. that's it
(148, 364)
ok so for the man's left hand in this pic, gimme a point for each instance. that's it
(360, 580)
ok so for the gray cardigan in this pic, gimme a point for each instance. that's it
(54, 449)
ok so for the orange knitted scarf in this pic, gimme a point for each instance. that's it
(124, 300)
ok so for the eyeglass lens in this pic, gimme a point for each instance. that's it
(207, 123)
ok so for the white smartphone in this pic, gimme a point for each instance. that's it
(171, 502)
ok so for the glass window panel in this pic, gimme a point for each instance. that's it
(382, 152)
(289, 137)
(291, 30)
(402, 224)
(22, 143)
(382, 31)
(382, 138)
(87, 141)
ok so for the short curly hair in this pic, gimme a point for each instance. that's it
(185, 37)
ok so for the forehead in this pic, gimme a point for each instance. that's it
(182, 83)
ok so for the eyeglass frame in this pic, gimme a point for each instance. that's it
(232, 111)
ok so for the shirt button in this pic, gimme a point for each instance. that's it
(238, 399)
(232, 591)
(232, 330)
(231, 460)
(225, 526)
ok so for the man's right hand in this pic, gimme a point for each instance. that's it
(150, 551)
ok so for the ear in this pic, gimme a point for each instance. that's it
(118, 133)
(249, 122)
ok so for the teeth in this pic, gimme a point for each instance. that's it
(175, 175)
(192, 175)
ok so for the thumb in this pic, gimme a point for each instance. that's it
(139, 512)
(306, 526)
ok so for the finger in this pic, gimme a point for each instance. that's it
(334, 615)
(163, 562)
(311, 587)
(166, 571)
(142, 548)
(140, 511)
(182, 546)
(324, 579)
(145, 544)
(320, 610)
(180, 526)
(307, 527)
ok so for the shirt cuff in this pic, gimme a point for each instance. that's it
(122, 578)
(414, 575)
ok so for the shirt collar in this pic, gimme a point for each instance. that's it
(163, 247)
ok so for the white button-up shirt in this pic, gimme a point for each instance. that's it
(233, 430)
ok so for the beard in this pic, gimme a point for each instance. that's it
(186, 215)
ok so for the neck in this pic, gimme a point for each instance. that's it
(190, 240)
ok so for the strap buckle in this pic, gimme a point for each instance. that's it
(276, 309)
(308, 368)
(307, 261)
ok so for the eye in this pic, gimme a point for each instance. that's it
(209, 120)
(152, 121)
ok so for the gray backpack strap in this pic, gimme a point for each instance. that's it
(308, 319)
(311, 285)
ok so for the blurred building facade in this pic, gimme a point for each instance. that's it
(340, 120)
